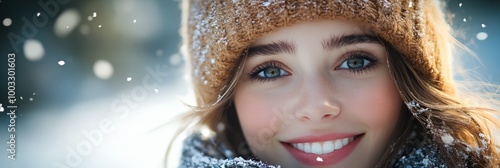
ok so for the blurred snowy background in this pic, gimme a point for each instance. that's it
(96, 81)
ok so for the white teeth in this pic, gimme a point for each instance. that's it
(345, 141)
(300, 146)
(328, 147)
(338, 144)
(307, 147)
(316, 148)
(323, 147)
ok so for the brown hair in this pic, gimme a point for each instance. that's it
(445, 113)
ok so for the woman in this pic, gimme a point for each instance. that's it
(330, 84)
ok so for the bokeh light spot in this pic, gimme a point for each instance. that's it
(66, 22)
(7, 22)
(103, 69)
(33, 50)
(175, 59)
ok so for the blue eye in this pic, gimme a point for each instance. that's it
(355, 63)
(272, 72)
(268, 71)
(358, 62)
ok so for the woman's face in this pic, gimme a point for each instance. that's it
(318, 94)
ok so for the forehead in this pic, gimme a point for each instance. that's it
(311, 30)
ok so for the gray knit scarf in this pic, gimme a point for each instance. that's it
(418, 151)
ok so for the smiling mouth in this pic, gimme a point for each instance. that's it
(323, 147)
(321, 150)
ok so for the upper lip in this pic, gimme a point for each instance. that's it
(321, 138)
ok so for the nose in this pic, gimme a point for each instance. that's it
(316, 102)
(317, 111)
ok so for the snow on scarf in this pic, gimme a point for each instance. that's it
(197, 152)
(419, 151)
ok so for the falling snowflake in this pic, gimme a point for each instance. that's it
(460, 5)
(99, 26)
(61, 62)
(135, 21)
(483, 25)
(447, 139)
(31, 99)
(129, 79)
(482, 35)
(94, 15)
(465, 20)
(90, 18)
(319, 159)
(156, 90)
(38, 14)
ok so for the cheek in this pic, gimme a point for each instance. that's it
(258, 117)
(377, 104)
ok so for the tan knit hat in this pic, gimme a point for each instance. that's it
(216, 32)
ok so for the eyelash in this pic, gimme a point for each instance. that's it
(254, 74)
(363, 55)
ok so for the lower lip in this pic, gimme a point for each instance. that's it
(328, 159)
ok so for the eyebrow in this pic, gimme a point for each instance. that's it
(272, 49)
(345, 40)
(328, 44)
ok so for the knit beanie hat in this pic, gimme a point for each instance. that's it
(216, 33)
